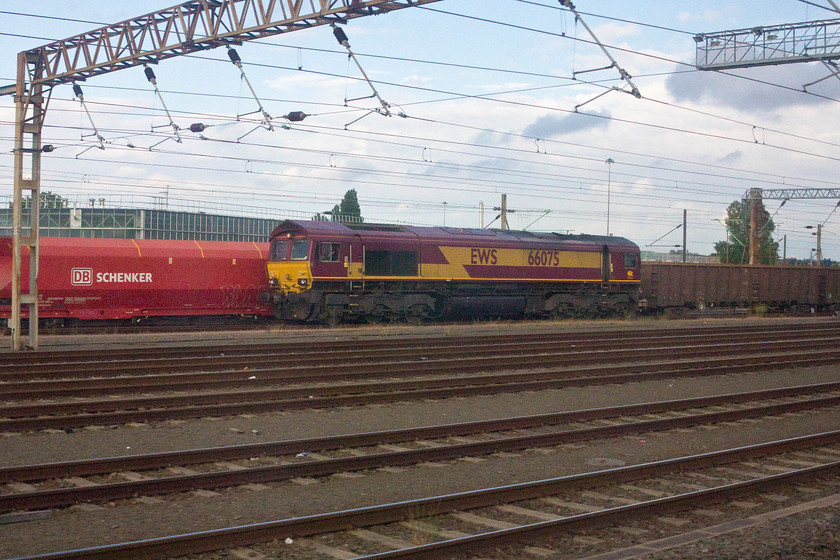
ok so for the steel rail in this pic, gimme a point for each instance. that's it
(245, 451)
(205, 541)
(57, 375)
(162, 485)
(510, 374)
(221, 361)
(18, 364)
(66, 415)
(608, 516)
(285, 347)
(432, 363)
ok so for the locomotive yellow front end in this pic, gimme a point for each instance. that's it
(290, 277)
(288, 267)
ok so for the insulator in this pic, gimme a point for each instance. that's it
(77, 91)
(341, 36)
(198, 127)
(150, 75)
(296, 116)
(234, 56)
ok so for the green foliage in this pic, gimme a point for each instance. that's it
(735, 249)
(348, 211)
(48, 199)
(350, 205)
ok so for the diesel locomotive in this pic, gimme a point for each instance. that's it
(332, 271)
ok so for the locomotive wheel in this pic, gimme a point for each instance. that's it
(620, 311)
(592, 311)
(417, 314)
(378, 315)
(562, 311)
(332, 317)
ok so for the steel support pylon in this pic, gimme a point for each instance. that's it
(29, 120)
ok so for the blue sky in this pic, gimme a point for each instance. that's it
(487, 92)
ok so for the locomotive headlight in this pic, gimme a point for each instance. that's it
(273, 282)
(303, 282)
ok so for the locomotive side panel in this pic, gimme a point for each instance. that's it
(496, 262)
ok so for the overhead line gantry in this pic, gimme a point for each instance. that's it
(189, 27)
(754, 196)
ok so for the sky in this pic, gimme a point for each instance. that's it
(485, 98)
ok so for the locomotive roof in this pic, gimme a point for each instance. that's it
(341, 229)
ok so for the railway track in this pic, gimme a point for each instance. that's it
(31, 403)
(220, 356)
(429, 362)
(59, 484)
(576, 515)
(539, 514)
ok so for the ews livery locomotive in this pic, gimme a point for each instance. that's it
(331, 271)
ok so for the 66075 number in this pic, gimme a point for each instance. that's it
(544, 258)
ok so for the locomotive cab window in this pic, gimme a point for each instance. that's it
(280, 250)
(328, 252)
(300, 249)
(631, 261)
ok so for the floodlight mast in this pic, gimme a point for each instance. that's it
(191, 26)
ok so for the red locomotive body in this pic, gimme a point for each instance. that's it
(83, 278)
(329, 271)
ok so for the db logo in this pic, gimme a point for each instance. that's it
(81, 276)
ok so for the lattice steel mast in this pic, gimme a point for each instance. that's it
(189, 27)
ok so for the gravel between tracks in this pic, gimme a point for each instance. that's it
(807, 535)
(811, 535)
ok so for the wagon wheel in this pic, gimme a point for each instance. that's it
(417, 314)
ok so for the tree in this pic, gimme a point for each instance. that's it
(48, 199)
(735, 249)
(348, 211)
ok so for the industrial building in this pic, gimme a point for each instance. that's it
(137, 223)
